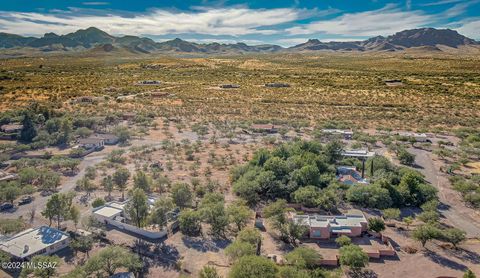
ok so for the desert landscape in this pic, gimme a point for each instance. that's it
(121, 156)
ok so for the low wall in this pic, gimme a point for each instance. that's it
(329, 262)
(387, 252)
(136, 230)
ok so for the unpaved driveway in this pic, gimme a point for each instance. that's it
(453, 208)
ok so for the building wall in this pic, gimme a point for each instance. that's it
(50, 249)
(134, 229)
(356, 231)
(329, 262)
(324, 233)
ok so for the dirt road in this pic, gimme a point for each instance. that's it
(453, 208)
(68, 185)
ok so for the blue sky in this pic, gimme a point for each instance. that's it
(284, 22)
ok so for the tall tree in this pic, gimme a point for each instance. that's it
(238, 214)
(137, 207)
(109, 260)
(303, 257)
(82, 244)
(159, 212)
(28, 131)
(58, 207)
(425, 233)
(333, 151)
(252, 267)
(453, 235)
(65, 132)
(74, 215)
(238, 249)
(181, 195)
(190, 222)
(107, 184)
(141, 180)
(120, 178)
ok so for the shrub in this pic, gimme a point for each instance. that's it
(343, 240)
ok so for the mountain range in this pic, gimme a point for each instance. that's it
(95, 40)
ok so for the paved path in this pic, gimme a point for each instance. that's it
(453, 209)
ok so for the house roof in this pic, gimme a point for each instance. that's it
(105, 136)
(353, 218)
(358, 153)
(337, 131)
(32, 240)
(263, 126)
(11, 127)
(90, 140)
(108, 211)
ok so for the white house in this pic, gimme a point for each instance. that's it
(361, 154)
(109, 139)
(42, 240)
(91, 143)
(419, 137)
(347, 134)
(112, 213)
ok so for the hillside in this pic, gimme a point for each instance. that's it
(429, 39)
(424, 39)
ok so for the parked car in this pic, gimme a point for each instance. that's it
(25, 200)
(6, 206)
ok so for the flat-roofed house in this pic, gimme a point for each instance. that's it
(229, 86)
(10, 131)
(11, 128)
(351, 224)
(113, 213)
(149, 82)
(268, 128)
(347, 134)
(109, 139)
(418, 137)
(277, 85)
(91, 143)
(42, 240)
(360, 154)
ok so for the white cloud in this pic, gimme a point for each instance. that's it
(215, 21)
(385, 21)
(95, 3)
(470, 28)
(438, 3)
(459, 9)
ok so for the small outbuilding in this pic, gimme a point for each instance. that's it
(264, 128)
(11, 128)
(229, 86)
(91, 143)
(109, 139)
(277, 85)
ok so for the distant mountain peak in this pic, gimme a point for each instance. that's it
(424, 39)
(50, 35)
(429, 37)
